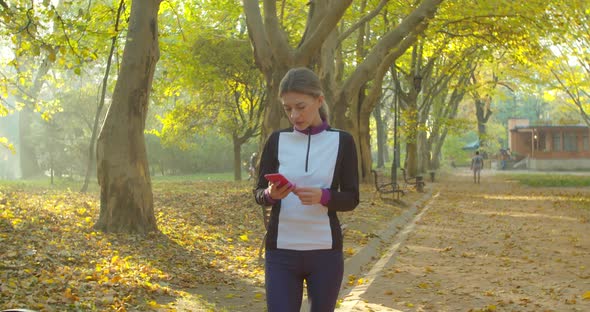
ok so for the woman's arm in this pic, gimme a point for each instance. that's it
(344, 193)
(268, 164)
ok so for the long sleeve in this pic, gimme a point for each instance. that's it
(268, 164)
(344, 194)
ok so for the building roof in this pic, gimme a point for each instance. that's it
(540, 127)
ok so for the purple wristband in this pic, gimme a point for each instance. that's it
(267, 198)
(326, 196)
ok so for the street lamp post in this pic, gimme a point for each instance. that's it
(395, 163)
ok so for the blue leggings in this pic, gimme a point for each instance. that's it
(287, 269)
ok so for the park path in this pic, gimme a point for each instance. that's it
(494, 246)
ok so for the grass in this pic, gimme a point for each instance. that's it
(219, 176)
(74, 184)
(45, 183)
(552, 180)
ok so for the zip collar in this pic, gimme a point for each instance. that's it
(314, 130)
(309, 132)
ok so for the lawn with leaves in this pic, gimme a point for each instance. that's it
(204, 258)
(552, 180)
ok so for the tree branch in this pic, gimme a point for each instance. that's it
(310, 13)
(328, 22)
(574, 98)
(4, 5)
(275, 36)
(362, 21)
(376, 88)
(257, 34)
(392, 40)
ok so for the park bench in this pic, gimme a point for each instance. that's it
(417, 181)
(383, 187)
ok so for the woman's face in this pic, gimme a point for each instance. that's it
(303, 110)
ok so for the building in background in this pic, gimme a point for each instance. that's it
(548, 146)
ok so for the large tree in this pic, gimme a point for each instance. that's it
(34, 54)
(320, 46)
(126, 200)
(227, 94)
(502, 33)
(49, 42)
(103, 92)
(571, 64)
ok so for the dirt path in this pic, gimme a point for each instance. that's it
(496, 246)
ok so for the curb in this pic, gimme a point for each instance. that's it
(370, 252)
(353, 295)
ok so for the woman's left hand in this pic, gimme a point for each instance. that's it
(309, 195)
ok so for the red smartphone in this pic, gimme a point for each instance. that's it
(277, 178)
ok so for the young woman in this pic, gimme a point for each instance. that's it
(304, 239)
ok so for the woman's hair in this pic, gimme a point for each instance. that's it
(304, 80)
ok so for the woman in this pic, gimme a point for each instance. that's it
(304, 239)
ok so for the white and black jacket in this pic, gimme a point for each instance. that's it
(317, 157)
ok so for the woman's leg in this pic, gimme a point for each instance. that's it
(284, 280)
(326, 268)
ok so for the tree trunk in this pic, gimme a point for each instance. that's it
(28, 156)
(126, 200)
(449, 113)
(365, 143)
(411, 164)
(423, 152)
(274, 118)
(361, 121)
(483, 113)
(381, 136)
(410, 117)
(51, 166)
(103, 92)
(237, 144)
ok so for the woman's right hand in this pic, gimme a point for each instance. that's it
(277, 192)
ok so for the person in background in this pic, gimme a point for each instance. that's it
(304, 239)
(476, 166)
(252, 166)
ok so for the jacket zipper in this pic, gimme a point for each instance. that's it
(308, 144)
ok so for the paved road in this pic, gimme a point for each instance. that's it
(496, 246)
